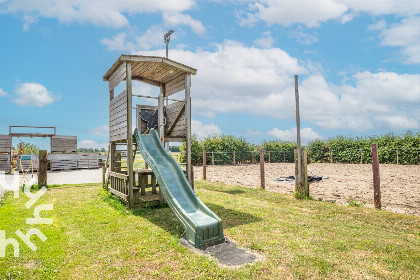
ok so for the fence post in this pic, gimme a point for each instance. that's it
(301, 180)
(332, 159)
(212, 158)
(397, 156)
(284, 157)
(361, 157)
(269, 156)
(234, 161)
(42, 169)
(262, 172)
(376, 177)
(252, 154)
(204, 165)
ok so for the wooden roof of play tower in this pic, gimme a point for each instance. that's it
(153, 70)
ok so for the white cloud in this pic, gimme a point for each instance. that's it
(302, 37)
(116, 43)
(2, 92)
(288, 12)
(204, 130)
(252, 132)
(174, 19)
(313, 13)
(306, 135)
(151, 38)
(405, 35)
(33, 94)
(262, 84)
(100, 130)
(379, 25)
(398, 122)
(91, 144)
(98, 12)
(266, 41)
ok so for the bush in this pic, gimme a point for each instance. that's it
(348, 150)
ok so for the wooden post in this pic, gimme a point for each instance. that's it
(103, 176)
(301, 184)
(331, 157)
(262, 172)
(161, 115)
(234, 162)
(42, 169)
(397, 157)
(212, 158)
(130, 158)
(269, 156)
(284, 157)
(117, 159)
(188, 121)
(204, 165)
(252, 157)
(361, 157)
(112, 155)
(376, 177)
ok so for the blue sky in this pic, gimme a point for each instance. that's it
(357, 61)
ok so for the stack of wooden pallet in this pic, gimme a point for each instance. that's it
(5, 152)
(88, 161)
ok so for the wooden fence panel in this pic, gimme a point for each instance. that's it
(63, 144)
(118, 117)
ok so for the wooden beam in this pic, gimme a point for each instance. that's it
(188, 135)
(173, 124)
(161, 128)
(147, 81)
(129, 138)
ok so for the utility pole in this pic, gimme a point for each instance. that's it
(298, 124)
(301, 171)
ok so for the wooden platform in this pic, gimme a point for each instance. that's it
(148, 200)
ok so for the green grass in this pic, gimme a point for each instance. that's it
(95, 237)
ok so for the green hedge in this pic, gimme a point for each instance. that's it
(348, 150)
(345, 149)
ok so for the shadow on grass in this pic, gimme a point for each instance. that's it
(231, 191)
(163, 217)
(232, 218)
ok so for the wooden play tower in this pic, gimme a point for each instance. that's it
(173, 120)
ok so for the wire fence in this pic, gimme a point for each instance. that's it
(402, 155)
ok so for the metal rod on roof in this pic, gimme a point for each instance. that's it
(166, 39)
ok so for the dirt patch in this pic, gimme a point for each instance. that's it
(226, 253)
(400, 184)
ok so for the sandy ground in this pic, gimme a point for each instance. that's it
(400, 185)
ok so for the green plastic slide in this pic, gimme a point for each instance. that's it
(202, 226)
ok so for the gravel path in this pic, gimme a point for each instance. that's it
(68, 177)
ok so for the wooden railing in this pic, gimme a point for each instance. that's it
(119, 184)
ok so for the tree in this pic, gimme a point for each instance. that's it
(27, 148)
